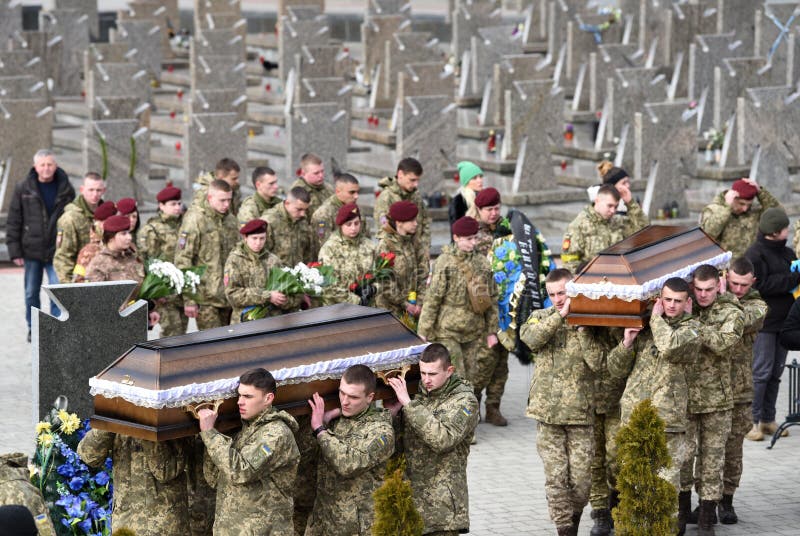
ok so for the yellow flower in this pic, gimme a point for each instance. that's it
(63, 415)
(512, 255)
(45, 440)
(70, 424)
(42, 427)
(32, 470)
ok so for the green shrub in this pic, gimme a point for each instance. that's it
(395, 514)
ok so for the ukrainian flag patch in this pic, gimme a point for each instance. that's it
(266, 450)
(466, 411)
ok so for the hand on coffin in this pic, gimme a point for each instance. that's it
(398, 384)
(491, 340)
(393, 405)
(723, 284)
(317, 410)
(207, 419)
(658, 308)
(564, 309)
(277, 298)
(629, 336)
(190, 310)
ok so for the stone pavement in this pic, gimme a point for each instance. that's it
(506, 480)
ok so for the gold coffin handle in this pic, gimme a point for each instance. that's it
(193, 408)
(386, 374)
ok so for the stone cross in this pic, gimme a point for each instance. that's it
(509, 69)
(628, 90)
(602, 63)
(375, 32)
(211, 137)
(402, 49)
(425, 78)
(738, 16)
(321, 61)
(71, 28)
(85, 7)
(220, 42)
(285, 5)
(10, 20)
(300, 27)
(319, 127)
(487, 48)
(119, 149)
(155, 13)
(22, 87)
(145, 37)
(106, 53)
(777, 26)
(387, 7)
(733, 77)
(468, 16)
(705, 54)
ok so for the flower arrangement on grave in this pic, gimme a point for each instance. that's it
(308, 279)
(614, 16)
(164, 279)
(714, 138)
(79, 498)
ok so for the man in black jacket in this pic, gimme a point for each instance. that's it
(37, 203)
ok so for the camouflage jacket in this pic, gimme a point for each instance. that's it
(489, 235)
(254, 207)
(709, 375)
(150, 494)
(85, 256)
(254, 473)
(410, 272)
(245, 281)
(318, 194)
(735, 232)
(448, 313)
(323, 222)
(796, 238)
(438, 426)
(200, 187)
(755, 310)
(350, 258)
(291, 240)
(391, 194)
(15, 488)
(73, 233)
(655, 368)
(116, 266)
(206, 238)
(158, 238)
(562, 390)
(589, 233)
(353, 455)
(607, 388)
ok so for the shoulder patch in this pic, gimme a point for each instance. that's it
(182, 240)
(266, 450)
(566, 243)
(379, 443)
(59, 237)
(321, 226)
(225, 280)
(466, 411)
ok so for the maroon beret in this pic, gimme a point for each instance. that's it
(488, 197)
(346, 213)
(126, 205)
(465, 226)
(403, 211)
(115, 224)
(254, 226)
(744, 189)
(170, 193)
(104, 211)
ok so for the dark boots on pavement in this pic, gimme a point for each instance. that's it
(602, 522)
(727, 514)
(684, 508)
(707, 518)
(493, 415)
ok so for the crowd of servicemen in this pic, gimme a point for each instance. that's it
(710, 358)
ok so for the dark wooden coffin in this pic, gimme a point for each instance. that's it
(168, 369)
(640, 263)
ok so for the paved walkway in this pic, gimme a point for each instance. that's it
(505, 475)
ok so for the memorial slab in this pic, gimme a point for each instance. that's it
(119, 149)
(211, 137)
(145, 37)
(375, 32)
(318, 128)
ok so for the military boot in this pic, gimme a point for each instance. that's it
(707, 518)
(602, 522)
(493, 415)
(684, 506)
(576, 520)
(727, 514)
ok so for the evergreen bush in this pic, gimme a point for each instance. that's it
(395, 514)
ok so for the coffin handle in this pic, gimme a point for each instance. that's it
(193, 408)
(386, 374)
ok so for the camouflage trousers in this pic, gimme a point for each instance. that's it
(209, 317)
(604, 462)
(466, 356)
(305, 486)
(678, 451)
(202, 497)
(173, 321)
(566, 452)
(706, 435)
(492, 373)
(741, 422)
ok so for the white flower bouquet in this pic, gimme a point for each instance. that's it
(164, 279)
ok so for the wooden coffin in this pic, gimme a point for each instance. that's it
(616, 287)
(145, 392)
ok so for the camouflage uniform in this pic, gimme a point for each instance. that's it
(202, 497)
(292, 240)
(796, 238)
(73, 233)
(353, 455)
(157, 240)
(735, 232)
(200, 188)
(149, 481)
(245, 281)
(410, 272)
(206, 238)
(392, 193)
(350, 258)
(116, 266)
(655, 368)
(85, 256)
(755, 310)
(323, 222)
(254, 473)
(437, 428)
(561, 398)
(710, 395)
(318, 194)
(254, 207)
(448, 317)
(16, 488)
(588, 234)
(305, 487)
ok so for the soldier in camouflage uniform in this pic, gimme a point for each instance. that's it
(449, 315)
(226, 170)
(411, 266)
(266, 184)
(246, 272)
(437, 427)
(732, 220)
(323, 221)
(16, 488)
(89, 251)
(312, 179)
(404, 187)
(206, 238)
(710, 394)
(158, 239)
(599, 226)
(740, 282)
(561, 399)
(289, 231)
(653, 362)
(74, 225)
(127, 207)
(254, 471)
(149, 481)
(355, 442)
(351, 255)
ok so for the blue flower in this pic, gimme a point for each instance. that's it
(108, 464)
(499, 277)
(85, 525)
(510, 266)
(101, 478)
(99, 513)
(76, 483)
(501, 251)
(66, 470)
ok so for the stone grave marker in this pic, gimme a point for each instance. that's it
(22, 87)
(535, 25)
(655, 31)
(145, 37)
(321, 61)
(285, 5)
(210, 137)
(425, 78)
(777, 27)
(705, 54)
(468, 16)
(733, 77)
(488, 48)
(10, 20)
(319, 127)
(217, 72)
(628, 90)
(402, 49)
(220, 101)
(738, 16)
(90, 334)
(509, 69)
(770, 168)
(387, 7)
(119, 149)
(155, 13)
(71, 28)
(375, 32)
(204, 10)
(86, 7)
(220, 42)
(105, 53)
(583, 38)
(45, 50)
(300, 27)
(601, 65)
